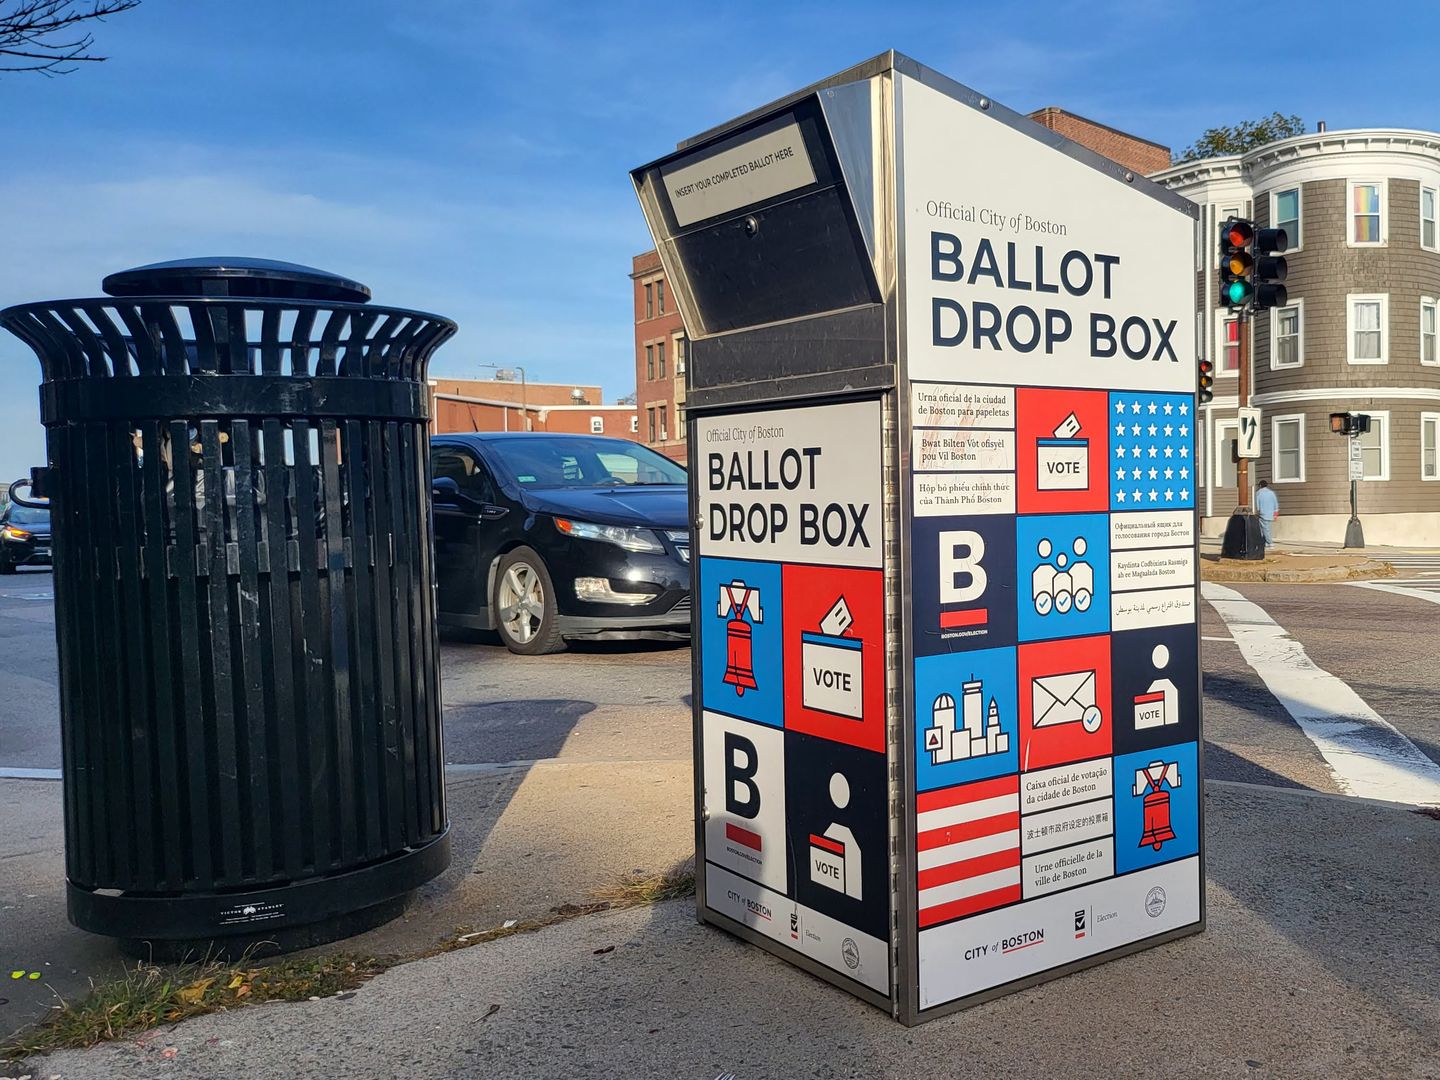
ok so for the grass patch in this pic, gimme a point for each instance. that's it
(147, 996)
(151, 995)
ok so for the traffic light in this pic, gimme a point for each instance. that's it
(1207, 380)
(1270, 268)
(1236, 263)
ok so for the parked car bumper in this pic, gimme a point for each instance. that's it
(25, 552)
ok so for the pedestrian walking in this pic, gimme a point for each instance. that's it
(1267, 505)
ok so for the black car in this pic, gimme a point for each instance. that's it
(24, 537)
(544, 537)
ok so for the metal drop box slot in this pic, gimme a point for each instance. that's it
(941, 393)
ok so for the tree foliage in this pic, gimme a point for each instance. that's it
(1244, 136)
(52, 36)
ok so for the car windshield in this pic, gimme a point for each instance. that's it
(23, 515)
(577, 461)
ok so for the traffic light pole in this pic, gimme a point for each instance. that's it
(1242, 467)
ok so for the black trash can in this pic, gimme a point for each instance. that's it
(249, 677)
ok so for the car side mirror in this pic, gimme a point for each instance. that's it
(444, 489)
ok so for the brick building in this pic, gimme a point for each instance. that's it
(496, 405)
(660, 342)
(1357, 334)
(659, 359)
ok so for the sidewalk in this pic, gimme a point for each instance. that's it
(1319, 961)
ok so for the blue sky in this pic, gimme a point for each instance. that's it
(471, 158)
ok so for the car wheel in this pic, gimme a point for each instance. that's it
(524, 605)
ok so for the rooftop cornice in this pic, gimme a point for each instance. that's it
(1201, 171)
(1358, 140)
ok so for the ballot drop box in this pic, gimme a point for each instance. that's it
(940, 387)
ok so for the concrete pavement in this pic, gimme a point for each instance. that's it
(1319, 961)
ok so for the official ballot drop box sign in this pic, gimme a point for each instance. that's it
(942, 450)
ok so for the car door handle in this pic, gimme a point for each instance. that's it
(490, 512)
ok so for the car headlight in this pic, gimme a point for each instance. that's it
(619, 535)
(11, 533)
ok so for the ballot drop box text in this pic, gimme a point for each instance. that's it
(942, 430)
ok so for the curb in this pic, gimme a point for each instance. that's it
(1321, 575)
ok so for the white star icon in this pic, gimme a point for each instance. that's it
(1119, 496)
(1184, 431)
(1153, 451)
(1169, 473)
(1136, 474)
(1135, 451)
(1153, 407)
(1184, 408)
(1119, 406)
(1135, 430)
(1154, 495)
(1119, 474)
(1152, 430)
(1184, 494)
(1184, 451)
(1169, 408)
(1169, 451)
(1136, 494)
(1169, 494)
(1135, 407)
(1119, 429)
(1184, 474)
(1119, 451)
(1153, 473)
(1169, 430)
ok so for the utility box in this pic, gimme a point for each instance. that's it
(942, 445)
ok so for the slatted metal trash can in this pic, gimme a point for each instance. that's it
(249, 680)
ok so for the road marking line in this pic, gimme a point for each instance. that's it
(1205, 637)
(29, 774)
(1367, 754)
(1398, 590)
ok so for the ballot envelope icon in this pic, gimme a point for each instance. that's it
(1067, 698)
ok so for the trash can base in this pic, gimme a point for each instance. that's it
(275, 920)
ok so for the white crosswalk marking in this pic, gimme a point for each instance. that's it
(1367, 754)
(1417, 571)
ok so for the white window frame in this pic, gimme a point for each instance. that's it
(1275, 422)
(1384, 418)
(1299, 216)
(597, 425)
(678, 342)
(1435, 209)
(1222, 316)
(1433, 419)
(1221, 216)
(1350, 215)
(1222, 446)
(1429, 302)
(1299, 306)
(1351, 299)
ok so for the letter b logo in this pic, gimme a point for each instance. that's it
(960, 554)
(742, 796)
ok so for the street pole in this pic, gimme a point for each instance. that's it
(1242, 467)
(524, 399)
(1354, 534)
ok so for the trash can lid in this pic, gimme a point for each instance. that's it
(224, 276)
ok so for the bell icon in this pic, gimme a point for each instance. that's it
(1156, 817)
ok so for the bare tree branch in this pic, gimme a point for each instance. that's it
(51, 36)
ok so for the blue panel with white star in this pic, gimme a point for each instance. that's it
(1152, 451)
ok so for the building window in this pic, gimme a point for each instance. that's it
(597, 425)
(1368, 319)
(1429, 438)
(1427, 331)
(650, 361)
(660, 359)
(1285, 213)
(664, 427)
(1223, 216)
(1228, 336)
(660, 296)
(1367, 217)
(1428, 237)
(649, 301)
(1375, 448)
(680, 421)
(634, 423)
(650, 412)
(1287, 449)
(1223, 471)
(1287, 327)
(679, 354)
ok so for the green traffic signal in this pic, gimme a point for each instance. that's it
(1236, 292)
